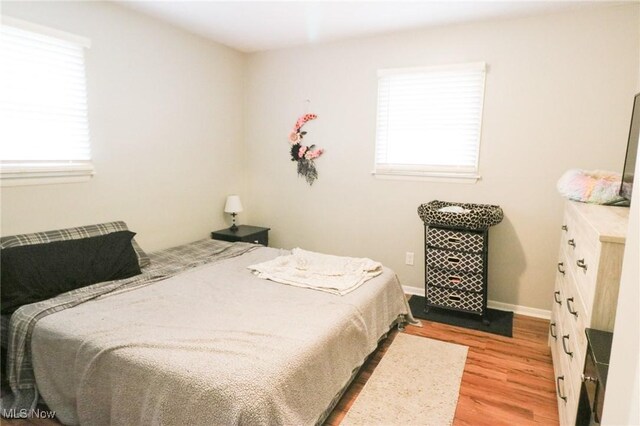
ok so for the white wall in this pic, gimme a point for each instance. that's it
(621, 405)
(170, 140)
(558, 96)
(623, 381)
(165, 111)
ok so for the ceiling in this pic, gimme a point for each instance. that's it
(252, 26)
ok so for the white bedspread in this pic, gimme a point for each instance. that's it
(211, 346)
(324, 272)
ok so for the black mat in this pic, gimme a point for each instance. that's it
(501, 321)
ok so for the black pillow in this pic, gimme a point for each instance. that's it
(37, 272)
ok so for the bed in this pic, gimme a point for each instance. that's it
(198, 339)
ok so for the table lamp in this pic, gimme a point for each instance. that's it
(233, 206)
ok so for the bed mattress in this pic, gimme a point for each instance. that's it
(212, 345)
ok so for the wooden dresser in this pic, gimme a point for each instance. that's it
(586, 292)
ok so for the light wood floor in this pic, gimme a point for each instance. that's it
(506, 381)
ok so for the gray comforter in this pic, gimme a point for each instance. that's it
(212, 345)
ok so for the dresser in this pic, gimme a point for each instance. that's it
(456, 269)
(586, 292)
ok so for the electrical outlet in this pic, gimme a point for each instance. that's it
(408, 258)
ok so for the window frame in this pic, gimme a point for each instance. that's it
(463, 174)
(38, 172)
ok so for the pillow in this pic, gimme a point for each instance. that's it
(595, 186)
(74, 234)
(37, 272)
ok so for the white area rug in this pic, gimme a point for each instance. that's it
(417, 382)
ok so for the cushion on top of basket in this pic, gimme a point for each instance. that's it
(460, 215)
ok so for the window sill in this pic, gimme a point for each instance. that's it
(35, 174)
(428, 176)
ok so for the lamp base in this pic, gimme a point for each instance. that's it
(233, 228)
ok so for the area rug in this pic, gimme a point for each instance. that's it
(416, 383)
(501, 321)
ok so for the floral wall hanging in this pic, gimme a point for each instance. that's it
(302, 154)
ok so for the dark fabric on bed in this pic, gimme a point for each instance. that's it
(73, 234)
(4, 331)
(37, 272)
(164, 264)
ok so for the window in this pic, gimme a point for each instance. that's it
(44, 129)
(429, 121)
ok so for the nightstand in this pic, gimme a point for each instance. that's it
(246, 233)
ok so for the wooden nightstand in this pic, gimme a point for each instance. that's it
(246, 233)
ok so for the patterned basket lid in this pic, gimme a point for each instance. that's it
(476, 216)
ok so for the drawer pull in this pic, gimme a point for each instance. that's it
(571, 242)
(560, 265)
(455, 298)
(555, 297)
(587, 378)
(454, 279)
(581, 264)
(565, 338)
(562, 397)
(565, 228)
(552, 329)
(453, 240)
(453, 259)
(570, 307)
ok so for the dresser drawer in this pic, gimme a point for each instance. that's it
(454, 279)
(455, 260)
(570, 355)
(462, 300)
(574, 312)
(578, 228)
(580, 248)
(554, 328)
(568, 406)
(451, 239)
(585, 269)
(565, 395)
(558, 299)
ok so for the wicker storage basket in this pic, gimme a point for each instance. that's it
(479, 216)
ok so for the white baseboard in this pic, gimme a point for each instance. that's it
(518, 309)
(414, 291)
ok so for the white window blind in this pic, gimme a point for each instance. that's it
(429, 120)
(44, 128)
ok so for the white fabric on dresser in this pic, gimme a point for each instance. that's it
(214, 345)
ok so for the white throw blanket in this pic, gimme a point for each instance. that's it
(324, 272)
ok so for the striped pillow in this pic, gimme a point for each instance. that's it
(74, 234)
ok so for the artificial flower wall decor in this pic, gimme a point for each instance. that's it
(302, 154)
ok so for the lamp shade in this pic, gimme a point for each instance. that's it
(233, 204)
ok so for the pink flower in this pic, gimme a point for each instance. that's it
(303, 119)
(294, 137)
(313, 154)
(301, 151)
